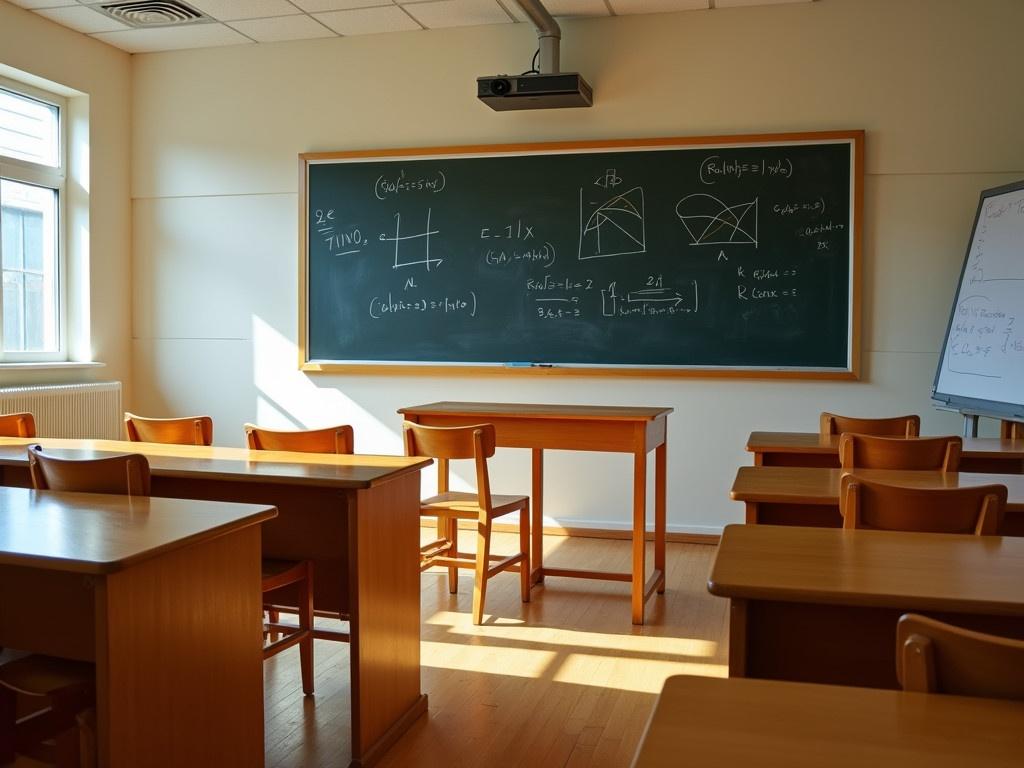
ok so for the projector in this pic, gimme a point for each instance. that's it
(546, 91)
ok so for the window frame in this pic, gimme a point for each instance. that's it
(47, 177)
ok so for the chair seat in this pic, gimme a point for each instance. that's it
(38, 675)
(467, 505)
(272, 568)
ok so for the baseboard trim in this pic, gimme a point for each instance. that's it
(676, 537)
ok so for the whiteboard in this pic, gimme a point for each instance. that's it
(981, 369)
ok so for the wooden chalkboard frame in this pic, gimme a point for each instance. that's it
(851, 372)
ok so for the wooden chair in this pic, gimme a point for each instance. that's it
(916, 453)
(125, 474)
(477, 443)
(188, 430)
(17, 425)
(338, 439)
(63, 689)
(1008, 430)
(934, 657)
(865, 504)
(897, 426)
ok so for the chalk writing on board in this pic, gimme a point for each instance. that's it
(714, 168)
(816, 207)
(617, 226)
(710, 221)
(418, 244)
(609, 179)
(649, 301)
(388, 187)
(381, 306)
(542, 254)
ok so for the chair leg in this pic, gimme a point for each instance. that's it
(68, 749)
(524, 548)
(8, 715)
(306, 622)
(453, 551)
(273, 617)
(483, 563)
(87, 738)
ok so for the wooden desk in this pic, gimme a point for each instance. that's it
(810, 495)
(809, 449)
(577, 428)
(770, 724)
(356, 517)
(164, 596)
(821, 605)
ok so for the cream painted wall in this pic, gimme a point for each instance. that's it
(215, 138)
(32, 44)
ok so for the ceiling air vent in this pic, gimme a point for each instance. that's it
(153, 13)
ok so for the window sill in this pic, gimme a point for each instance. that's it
(50, 366)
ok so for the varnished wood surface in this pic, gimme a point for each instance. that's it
(820, 485)
(236, 464)
(99, 533)
(619, 429)
(560, 681)
(540, 411)
(770, 724)
(814, 443)
(941, 572)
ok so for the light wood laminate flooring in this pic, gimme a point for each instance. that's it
(563, 681)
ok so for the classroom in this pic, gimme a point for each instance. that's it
(182, 257)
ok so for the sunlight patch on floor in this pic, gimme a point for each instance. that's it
(503, 660)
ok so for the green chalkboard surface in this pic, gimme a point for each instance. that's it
(722, 254)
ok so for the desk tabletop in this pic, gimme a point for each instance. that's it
(98, 533)
(814, 443)
(820, 485)
(237, 464)
(923, 571)
(710, 722)
(540, 411)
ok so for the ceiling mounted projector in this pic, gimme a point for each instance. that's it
(565, 89)
(543, 88)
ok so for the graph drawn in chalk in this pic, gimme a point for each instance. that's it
(423, 239)
(615, 227)
(709, 221)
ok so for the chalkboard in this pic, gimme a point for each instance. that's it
(714, 255)
(981, 369)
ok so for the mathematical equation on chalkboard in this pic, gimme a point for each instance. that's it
(666, 256)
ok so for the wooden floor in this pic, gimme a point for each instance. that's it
(563, 681)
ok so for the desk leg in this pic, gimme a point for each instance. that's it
(537, 523)
(639, 533)
(751, 507)
(660, 463)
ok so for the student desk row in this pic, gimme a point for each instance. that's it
(355, 517)
(163, 595)
(810, 495)
(770, 724)
(821, 604)
(809, 449)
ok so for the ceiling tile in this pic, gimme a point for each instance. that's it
(82, 19)
(368, 21)
(457, 13)
(33, 4)
(229, 10)
(318, 6)
(172, 38)
(623, 7)
(299, 27)
(563, 8)
(738, 3)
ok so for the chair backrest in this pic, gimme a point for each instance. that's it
(1011, 430)
(934, 657)
(17, 425)
(897, 426)
(444, 443)
(919, 453)
(188, 430)
(866, 504)
(328, 440)
(124, 473)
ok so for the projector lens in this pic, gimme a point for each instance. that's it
(500, 87)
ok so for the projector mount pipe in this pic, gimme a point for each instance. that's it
(549, 35)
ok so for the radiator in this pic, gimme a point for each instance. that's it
(69, 410)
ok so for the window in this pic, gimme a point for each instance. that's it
(32, 173)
